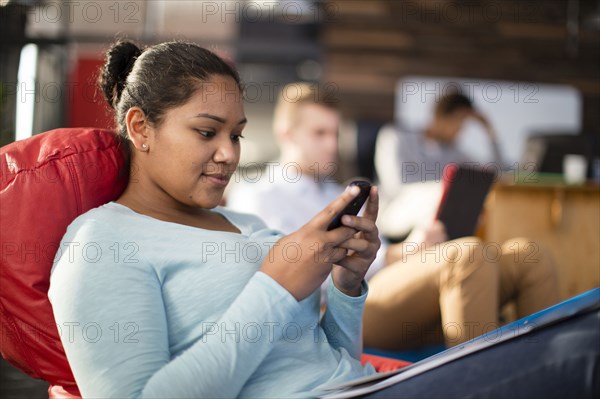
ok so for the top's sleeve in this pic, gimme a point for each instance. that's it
(113, 325)
(342, 321)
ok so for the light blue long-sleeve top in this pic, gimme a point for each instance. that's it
(148, 308)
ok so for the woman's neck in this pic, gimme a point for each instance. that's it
(144, 197)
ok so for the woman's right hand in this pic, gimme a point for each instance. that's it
(301, 261)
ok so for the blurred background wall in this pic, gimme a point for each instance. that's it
(358, 49)
(368, 46)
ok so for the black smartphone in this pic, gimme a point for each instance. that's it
(353, 207)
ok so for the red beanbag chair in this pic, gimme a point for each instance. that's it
(46, 182)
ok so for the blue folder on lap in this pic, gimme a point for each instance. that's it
(581, 304)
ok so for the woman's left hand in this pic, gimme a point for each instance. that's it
(349, 273)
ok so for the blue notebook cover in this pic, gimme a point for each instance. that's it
(583, 303)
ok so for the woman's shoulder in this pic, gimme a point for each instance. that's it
(106, 217)
(113, 219)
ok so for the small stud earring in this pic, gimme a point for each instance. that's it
(144, 147)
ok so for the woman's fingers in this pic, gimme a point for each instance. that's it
(372, 208)
(336, 255)
(366, 227)
(359, 223)
(323, 218)
(339, 235)
(353, 264)
(356, 245)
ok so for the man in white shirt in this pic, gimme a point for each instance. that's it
(422, 291)
(299, 183)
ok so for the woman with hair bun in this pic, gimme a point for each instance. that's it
(188, 299)
(164, 294)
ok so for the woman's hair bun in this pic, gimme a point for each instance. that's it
(118, 64)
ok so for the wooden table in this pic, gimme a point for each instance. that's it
(564, 219)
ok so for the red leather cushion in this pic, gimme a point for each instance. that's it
(383, 364)
(46, 182)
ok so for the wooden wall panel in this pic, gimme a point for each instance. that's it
(369, 45)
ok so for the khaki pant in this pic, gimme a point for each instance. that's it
(453, 292)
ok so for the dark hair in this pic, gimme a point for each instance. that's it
(452, 102)
(156, 78)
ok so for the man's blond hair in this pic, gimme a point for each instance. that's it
(292, 97)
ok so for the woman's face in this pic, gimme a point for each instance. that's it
(196, 148)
